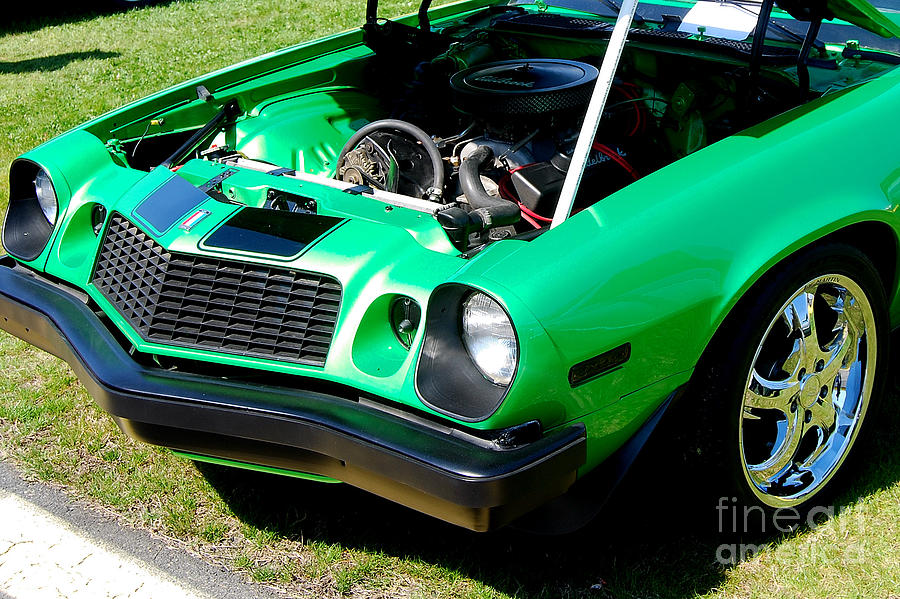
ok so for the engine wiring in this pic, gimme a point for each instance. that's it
(528, 215)
(626, 91)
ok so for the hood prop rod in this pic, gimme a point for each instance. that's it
(229, 112)
(595, 112)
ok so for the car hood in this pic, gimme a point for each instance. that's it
(857, 12)
(184, 218)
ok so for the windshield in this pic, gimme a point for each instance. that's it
(836, 32)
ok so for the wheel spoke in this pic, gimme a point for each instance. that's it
(849, 331)
(801, 318)
(841, 353)
(764, 394)
(823, 415)
(822, 426)
(795, 360)
(821, 447)
(854, 315)
(784, 454)
(834, 299)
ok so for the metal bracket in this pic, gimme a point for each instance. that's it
(204, 94)
(217, 180)
(359, 190)
(278, 172)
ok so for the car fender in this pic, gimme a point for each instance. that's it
(661, 263)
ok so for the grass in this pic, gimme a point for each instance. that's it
(655, 540)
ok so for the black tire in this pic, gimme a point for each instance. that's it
(728, 377)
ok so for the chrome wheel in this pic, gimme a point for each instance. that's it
(807, 391)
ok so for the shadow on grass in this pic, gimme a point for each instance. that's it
(657, 537)
(27, 17)
(51, 63)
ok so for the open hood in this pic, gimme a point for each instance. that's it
(859, 12)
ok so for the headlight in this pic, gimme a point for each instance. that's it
(32, 212)
(46, 196)
(489, 338)
(469, 355)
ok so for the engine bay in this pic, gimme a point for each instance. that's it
(478, 119)
(487, 127)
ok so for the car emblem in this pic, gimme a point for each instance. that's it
(191, 221)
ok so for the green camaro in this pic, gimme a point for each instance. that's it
(467, 259)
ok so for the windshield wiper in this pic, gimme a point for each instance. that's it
(858, 53)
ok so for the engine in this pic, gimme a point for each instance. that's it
(502, 173)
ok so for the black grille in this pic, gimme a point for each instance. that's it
(218, 305)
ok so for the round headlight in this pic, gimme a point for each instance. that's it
(489, 338)
(46, 196)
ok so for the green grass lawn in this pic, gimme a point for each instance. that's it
(318, 540)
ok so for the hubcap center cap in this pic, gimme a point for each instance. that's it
(810, 391)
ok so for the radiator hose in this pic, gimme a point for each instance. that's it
(489, 211)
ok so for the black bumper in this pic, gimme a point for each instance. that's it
(431, 468)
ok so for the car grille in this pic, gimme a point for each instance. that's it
(219, 305)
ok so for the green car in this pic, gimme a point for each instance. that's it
(468, 259)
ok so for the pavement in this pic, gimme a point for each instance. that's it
(54, 547)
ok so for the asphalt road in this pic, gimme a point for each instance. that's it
(52, 546)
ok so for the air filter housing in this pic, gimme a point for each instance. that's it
(523, 88)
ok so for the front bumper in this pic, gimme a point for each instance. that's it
(433, 468)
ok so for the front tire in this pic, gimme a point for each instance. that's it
(792, 375)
